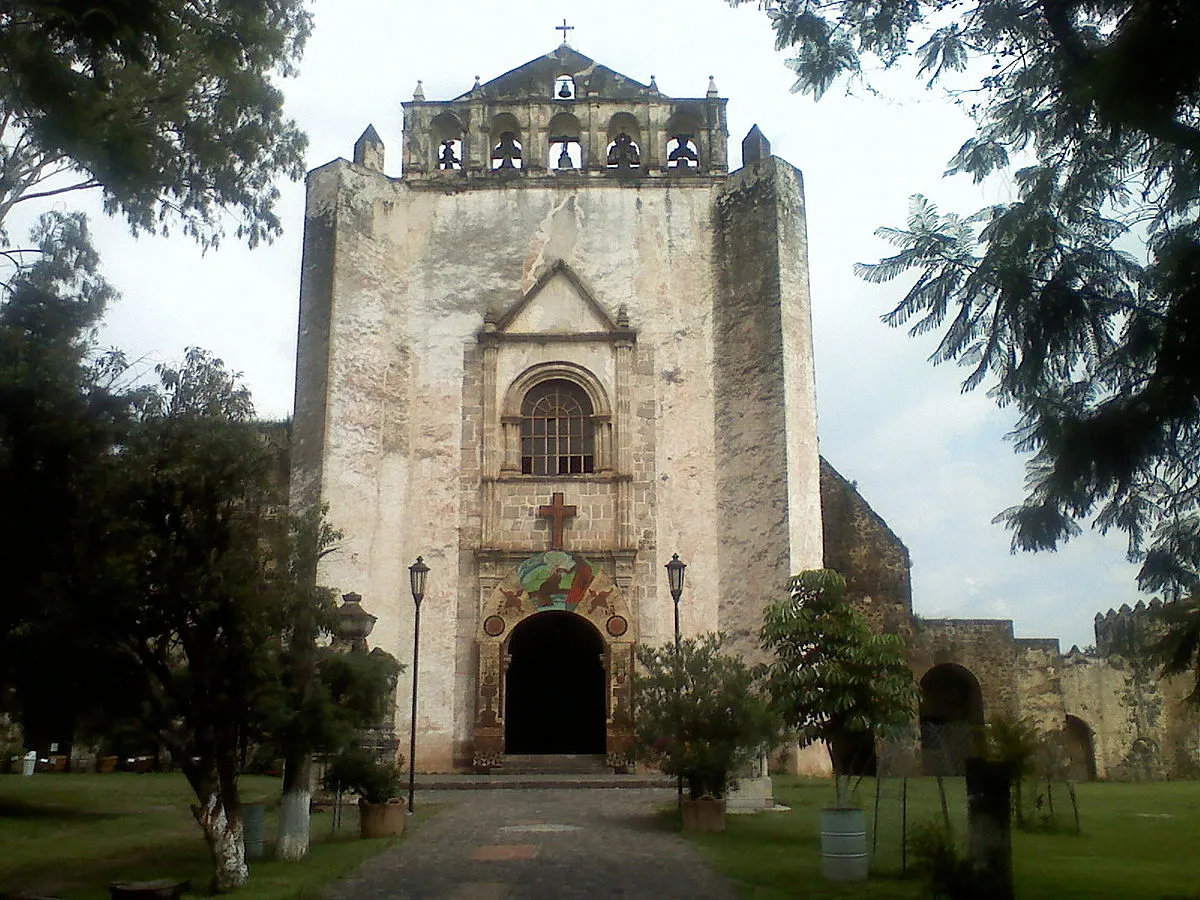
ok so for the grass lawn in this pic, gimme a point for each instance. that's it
(1138, 841)
(70, 835)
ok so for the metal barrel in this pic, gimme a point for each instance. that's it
(844, 845)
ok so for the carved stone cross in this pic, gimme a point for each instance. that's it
(557, 514)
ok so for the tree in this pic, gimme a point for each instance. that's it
(832, 678)
(167, 106)
(186, 597)
(59, 418)
(325, 697)
(1093, 108)
(698, 713)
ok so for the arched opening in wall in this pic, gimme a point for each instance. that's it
(1080, 750)
(507, 152)
(683, 148)
(566, 153)
(554, 693)
(564, 88)
(951, 709)
(446, 133)
(623, 152)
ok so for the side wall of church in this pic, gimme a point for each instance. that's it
(398, 281)
(1039, 683)
(982, 646)
(1141, 726)
(765, 396)
(868, 554)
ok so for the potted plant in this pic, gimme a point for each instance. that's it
(380, 813)
(698, 715)
(835, 680)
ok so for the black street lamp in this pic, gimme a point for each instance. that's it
(675, 580)
(417, 574)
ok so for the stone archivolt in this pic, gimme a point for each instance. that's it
(553, 580)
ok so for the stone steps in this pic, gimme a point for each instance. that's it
(554, 764)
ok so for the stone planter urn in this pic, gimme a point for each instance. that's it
(376, 820)
(706, 815)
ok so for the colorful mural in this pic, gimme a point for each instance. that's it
(555, 579)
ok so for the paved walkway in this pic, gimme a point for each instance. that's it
(538, 845)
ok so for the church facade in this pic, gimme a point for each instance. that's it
(568, 343)
(565, 345)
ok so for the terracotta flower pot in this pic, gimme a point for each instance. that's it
(704, 815)
(377, 820)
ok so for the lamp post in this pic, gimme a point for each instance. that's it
(675, 580)
(417, 573)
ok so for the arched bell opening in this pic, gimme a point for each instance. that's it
(566, 150)
(623, 153)
(555, 686)
(951, 712)
(507, 145)
(683, 142)
(446, 138)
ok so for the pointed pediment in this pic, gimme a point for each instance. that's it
(558, 303)
(534, 79)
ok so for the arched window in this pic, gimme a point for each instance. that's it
(557, 430)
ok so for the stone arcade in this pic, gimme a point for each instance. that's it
(564, 345)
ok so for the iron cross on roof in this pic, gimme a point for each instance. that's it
(557, 514)
(564, 28)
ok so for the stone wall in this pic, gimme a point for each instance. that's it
(765, 397)
(859, 544)
(425, 302)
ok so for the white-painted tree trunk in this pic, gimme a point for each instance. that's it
(293, 809)
(226, 840)
(294, 823)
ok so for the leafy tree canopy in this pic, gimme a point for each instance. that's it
(832, 678)
(699, 713)
(1092, 107)
(167, 106)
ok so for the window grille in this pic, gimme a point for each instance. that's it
(557, 431)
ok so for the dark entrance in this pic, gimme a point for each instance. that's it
(555, 686)
(951, 709)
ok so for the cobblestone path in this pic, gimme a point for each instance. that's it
(538, 845)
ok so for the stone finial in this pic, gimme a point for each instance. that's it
(368, 150)
(478, 87)
(418, 91)
(755, 147)
(653, 85)
(623, 316)
(712, 87)
(491, 319)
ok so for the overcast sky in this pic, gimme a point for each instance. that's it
(931, 461)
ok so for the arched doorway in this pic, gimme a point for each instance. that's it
(1081, 752)
(951, 706)
(555, 686)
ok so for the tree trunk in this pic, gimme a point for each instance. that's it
(294, 807)
(224, 832)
